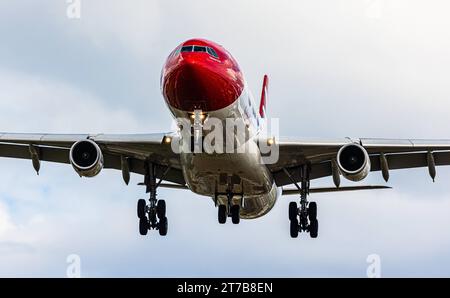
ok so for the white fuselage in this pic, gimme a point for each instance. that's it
(241, 172)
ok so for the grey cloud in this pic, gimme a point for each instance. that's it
(335, 70)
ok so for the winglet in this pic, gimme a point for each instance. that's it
(264, 95)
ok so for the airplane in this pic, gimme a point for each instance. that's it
(202, 82)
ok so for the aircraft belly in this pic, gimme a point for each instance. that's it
(212, 174)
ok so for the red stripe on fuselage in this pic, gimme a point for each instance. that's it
(197, 80)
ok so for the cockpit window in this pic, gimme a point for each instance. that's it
(199, 49)
(175, 52)
(186, 49)
(212, 52)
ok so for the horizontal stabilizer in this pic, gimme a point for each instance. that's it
(334, 189)
(175, 186)
(168, 185)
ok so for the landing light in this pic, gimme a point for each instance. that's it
(202, 116)
(167, 140)
(270, 141)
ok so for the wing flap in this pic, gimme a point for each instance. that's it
(410, 160)
(138, 166)
(59, 155)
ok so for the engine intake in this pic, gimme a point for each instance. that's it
(86, 158)
(354, 162)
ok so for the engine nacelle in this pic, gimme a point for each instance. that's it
(86, 158)
(354, 162)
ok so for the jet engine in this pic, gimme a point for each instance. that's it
(354, 162)
(86, 158)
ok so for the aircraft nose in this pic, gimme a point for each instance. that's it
(196, 82)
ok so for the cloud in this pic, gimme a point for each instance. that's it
(335, 71)
(105, 23)
(44, 105)
(5, 222)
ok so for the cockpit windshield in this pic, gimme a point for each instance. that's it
(200, 49)
(186, 49)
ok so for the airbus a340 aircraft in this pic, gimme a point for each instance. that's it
(200, 82)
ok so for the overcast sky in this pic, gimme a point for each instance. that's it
(372, 68)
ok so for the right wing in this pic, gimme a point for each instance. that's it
(138, 149)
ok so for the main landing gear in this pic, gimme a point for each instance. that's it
(229, 210)
(152, 216)
(303, 218)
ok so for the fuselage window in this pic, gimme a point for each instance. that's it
(186, 49)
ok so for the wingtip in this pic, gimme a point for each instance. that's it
(383, 186)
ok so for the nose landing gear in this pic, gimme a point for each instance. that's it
(303, 218)
(152, 216)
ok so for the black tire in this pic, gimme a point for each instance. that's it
(313, 228)
(294, 228)
(293, 210)
(161, 209)
(163, 226)
(141, 206)
(222, 214)
(312, 211)
(235, 216)
(143, 226)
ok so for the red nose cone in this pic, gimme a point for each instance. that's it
(195, 80)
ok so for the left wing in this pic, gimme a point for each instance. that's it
(138, 149)
(319, 153)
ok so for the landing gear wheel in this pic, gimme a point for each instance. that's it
(313, 228)
(163, 226)
(294, 228)
(293, 210)
(303, 218)
(161, 209)
(235, 217)
(141, 206)
(312, 211)
(222, 214)
(143, 226)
